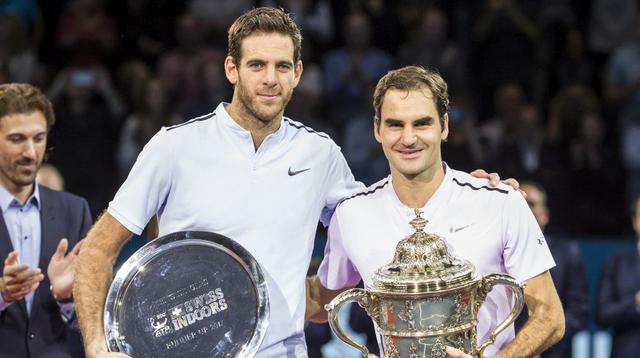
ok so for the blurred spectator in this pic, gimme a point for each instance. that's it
(146, 28)
(505, 49)
(525, 152)
(50, 176)
(349, 72)
(177, 68)
(463, 148)
(593, 165)
(130, 77)
(16, 55)
(152, 112)
(89, 112)
(86, 34)
(618, 305)
(364, 155)
(31, 21)
(611, 22)
(569, 276)
(315, 18)
(212, 88)
(565, 110)
(622, 89)
(429, 46)
(215, 17)
(574, 66)
(387, 29)
(509, 100)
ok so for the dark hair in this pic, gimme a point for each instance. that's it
(412, 78)
(23, 98)
(263, 20)
(635, 207)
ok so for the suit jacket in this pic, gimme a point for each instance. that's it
(570, 279)
(616, 307)
(43, 333)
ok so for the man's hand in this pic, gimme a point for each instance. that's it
(456, 353)
(18, 280)
(494, 180)
(62, 269)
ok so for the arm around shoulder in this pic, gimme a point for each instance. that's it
(93, 275)
(545, 325)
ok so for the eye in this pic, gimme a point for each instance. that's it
(255, 65)
(284, 67)
(15, 139)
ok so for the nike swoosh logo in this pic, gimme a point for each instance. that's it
(453, 230)
(296, 172)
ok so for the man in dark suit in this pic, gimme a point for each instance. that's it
(619, 296)
(569, 275)
(37, 226)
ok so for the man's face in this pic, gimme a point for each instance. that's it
(23, 140)
(410, 131)
(266, 75)
(538, 204)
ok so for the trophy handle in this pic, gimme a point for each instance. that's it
(486, 284)
(353, 295)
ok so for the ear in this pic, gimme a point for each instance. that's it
(297, 72)
(376, 130)
(231, 70)
(445, 127)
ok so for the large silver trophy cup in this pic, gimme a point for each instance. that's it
(424, 300)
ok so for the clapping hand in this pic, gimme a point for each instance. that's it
(62, 270)
(18, 280)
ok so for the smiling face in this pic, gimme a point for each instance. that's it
(265, 77)
(23, 140)
(410, 132)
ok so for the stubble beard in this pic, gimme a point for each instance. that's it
(18, 178)
(250, 105)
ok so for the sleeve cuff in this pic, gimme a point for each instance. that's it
(3, 304)
(67, 311)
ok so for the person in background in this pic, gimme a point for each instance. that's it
(37, 226)
(569, 276)
(618, 305)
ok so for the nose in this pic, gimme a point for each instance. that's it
(408, 136)
(270, 78)
(29, 149)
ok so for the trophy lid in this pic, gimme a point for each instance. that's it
(422, 264)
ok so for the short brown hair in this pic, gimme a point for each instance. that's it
(23, 98)
(413, 78)
(263, 20)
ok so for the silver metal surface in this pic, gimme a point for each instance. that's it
(424, 300)
(189, 293)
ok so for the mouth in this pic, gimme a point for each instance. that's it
(409, 153)
(267, 96)
(27, 166)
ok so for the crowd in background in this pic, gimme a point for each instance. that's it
(542, 90)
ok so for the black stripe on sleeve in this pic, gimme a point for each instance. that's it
(310, 130)
(197, 119)
(455, 180)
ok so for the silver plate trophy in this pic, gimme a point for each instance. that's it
(188, 294)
